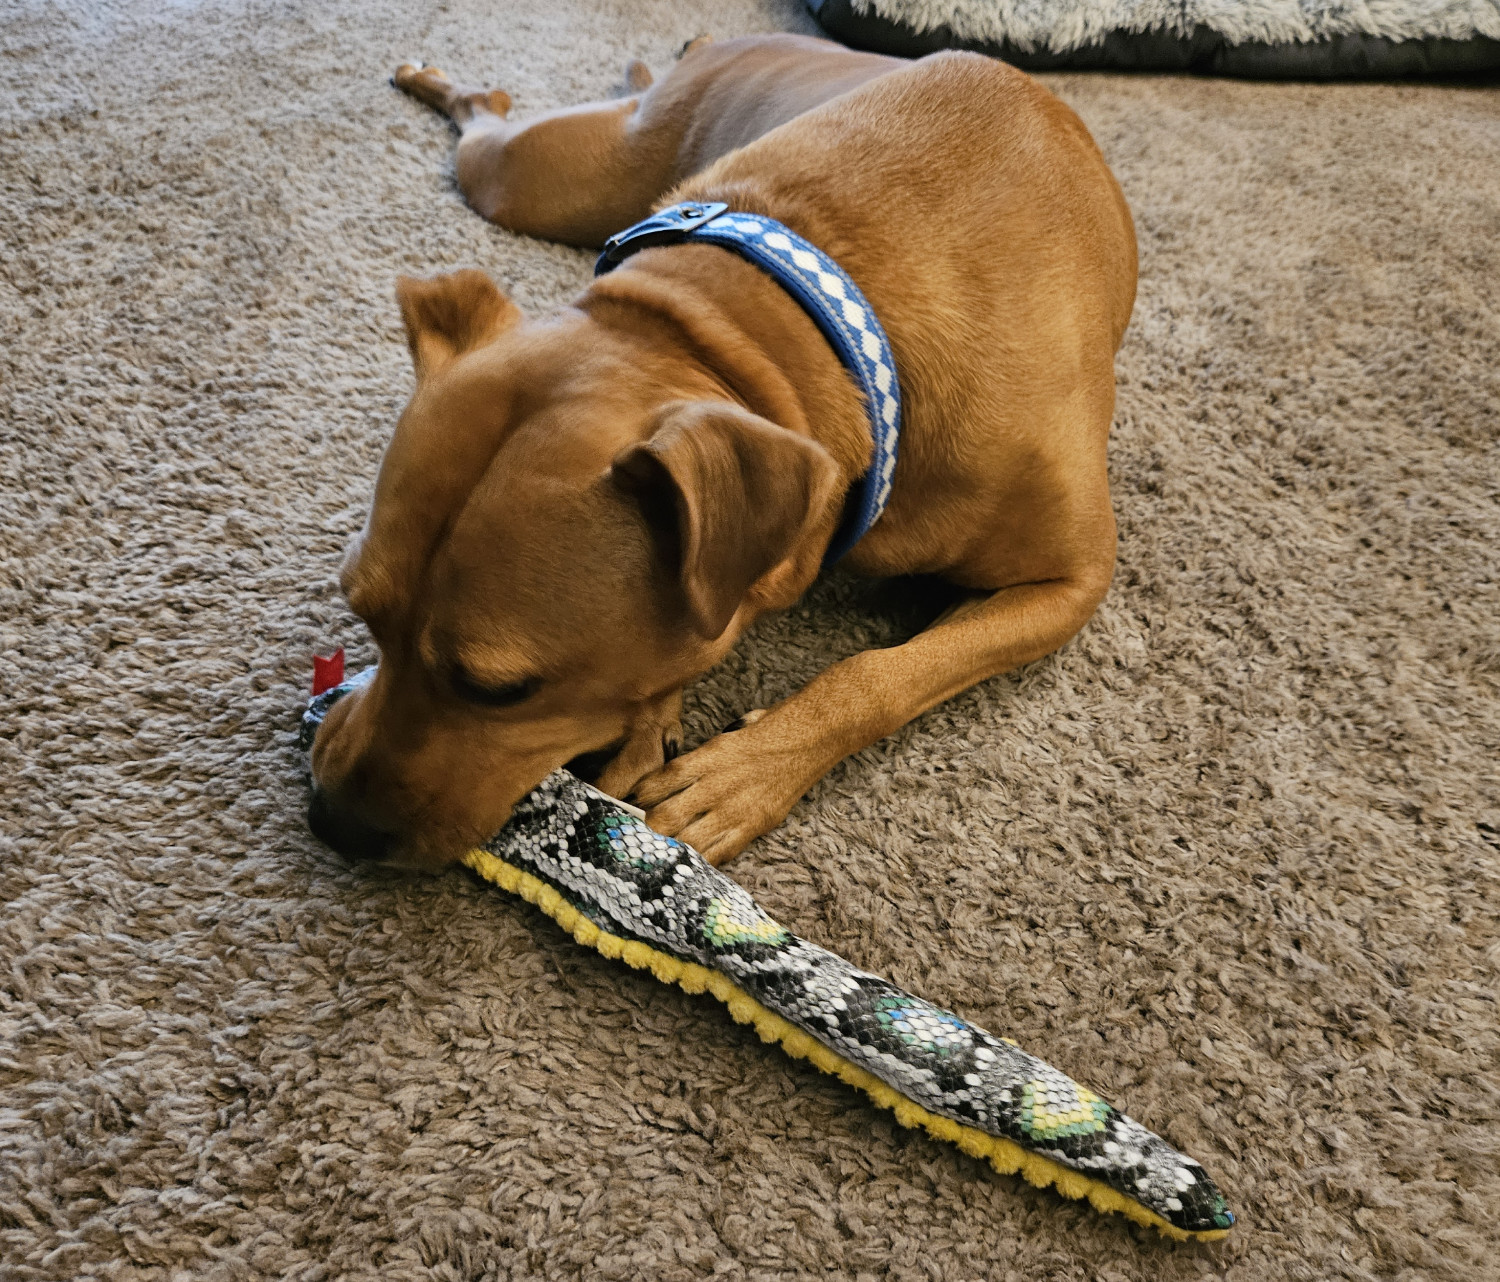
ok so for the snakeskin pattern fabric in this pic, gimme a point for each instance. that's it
(639, 885)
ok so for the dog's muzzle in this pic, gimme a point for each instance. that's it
(351, 836)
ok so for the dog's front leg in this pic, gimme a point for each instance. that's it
(742, 783)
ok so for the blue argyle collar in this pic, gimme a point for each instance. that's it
(836, 306)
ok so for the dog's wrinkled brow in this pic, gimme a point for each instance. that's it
(365, 584)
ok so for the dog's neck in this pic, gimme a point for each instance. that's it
(744, 331)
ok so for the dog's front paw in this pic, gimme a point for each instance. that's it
(722, 796)
(654, 740)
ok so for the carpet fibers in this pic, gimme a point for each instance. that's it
(1230, 857)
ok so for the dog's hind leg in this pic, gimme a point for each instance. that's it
(576, 175)
(429, 85)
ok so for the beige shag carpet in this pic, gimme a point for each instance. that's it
(1231, 856)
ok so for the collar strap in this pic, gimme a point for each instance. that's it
(828, 296)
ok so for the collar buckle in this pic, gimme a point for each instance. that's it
(663, 228)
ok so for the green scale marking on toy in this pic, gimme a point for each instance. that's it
(1050, 1111)
(725, 924)
(628, 850)
(924, 1026)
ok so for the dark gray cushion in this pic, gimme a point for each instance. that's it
(1199, 49)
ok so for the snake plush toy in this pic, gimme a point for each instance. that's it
(595, 867)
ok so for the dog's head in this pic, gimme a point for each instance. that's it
(568, 526)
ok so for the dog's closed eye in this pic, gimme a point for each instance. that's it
(506, 695)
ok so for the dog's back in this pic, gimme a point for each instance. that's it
(977, 215)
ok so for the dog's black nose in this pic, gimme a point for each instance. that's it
(351, 836)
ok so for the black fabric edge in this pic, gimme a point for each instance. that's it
(1205, 52)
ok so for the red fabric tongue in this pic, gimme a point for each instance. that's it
(328, 672)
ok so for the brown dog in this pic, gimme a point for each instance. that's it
(578, 516)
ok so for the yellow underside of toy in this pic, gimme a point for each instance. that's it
(1005, 1156)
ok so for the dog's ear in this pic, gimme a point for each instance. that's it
(449, 315)
(732, 502)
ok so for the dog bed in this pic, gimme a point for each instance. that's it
(1256, 39)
